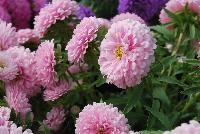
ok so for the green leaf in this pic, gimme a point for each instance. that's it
(171, 80)
(160, 93)
(161, 117)
(191, 90)
(192, 31)
(151, 132)
(194, 62)
(134, 96)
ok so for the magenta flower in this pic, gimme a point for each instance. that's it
(55, 118)
(100, 118)
(126, 53)
(45, 61)
(57, 10)
(56, 90)
(84, 33)
(4, 15)
(39, 4)
(7, 36)
(124, 16)
(192, 128)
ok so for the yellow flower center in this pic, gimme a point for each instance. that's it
(2, 65)
(119, 52)
(101, 131)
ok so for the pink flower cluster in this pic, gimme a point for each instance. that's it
(100, 118)
(178, 6)
(57, 10)
(126, 53)
(84, 33)
(192, 128)
(55, 118)
(8, 127)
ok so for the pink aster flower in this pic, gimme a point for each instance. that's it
(4, 15)
(104, 22)
(124, 16)
(17, 100)
(56, 90)
(55, 118)
(75, 68)
(192, 128)
(101, 118)
(8, 68)
(24, 59)
(57, 10)
(13, 129)
(178, 6)
(7, 36)
(45, 61)
(21, 13)
(27, 35)
(126, 53)
(84, 33)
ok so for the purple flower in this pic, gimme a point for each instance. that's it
(146, 9)
(84, 12)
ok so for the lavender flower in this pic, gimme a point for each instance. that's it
(84, 12)
(146, 9)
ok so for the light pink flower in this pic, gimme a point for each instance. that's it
(104, 22)
(55, 118)
(124, 16)
(17, 100)
(192, 128)
(177, 6)
(26, 35)
(8, 69)
(27, 72)
(57, 10)
(7, 36)
(4, 15)
(13, 129)
(84, 33)
(126, 53)
(56, 90)
(5, 113)
(45, 61)
(101, 118)
(75, 68)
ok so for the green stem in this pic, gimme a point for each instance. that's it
(191, 101)
(178, 44)
(77, 82)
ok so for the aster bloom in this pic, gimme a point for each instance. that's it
(143, 8)
(4, 15)
(75, 68)
(26, 35)
(24, 59)
(7, 36)
(13, 129)
(55, 118)
(21, 12)
(17, 100)
(126, 53)
(45, 62)
(84, 12)
(8, 68)
(39, 4)
(192, 128)
(178, 6)
(84, 33)
(100, 118)
(104, 22)
(124, 16)
(56, 90)
(57, 10)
